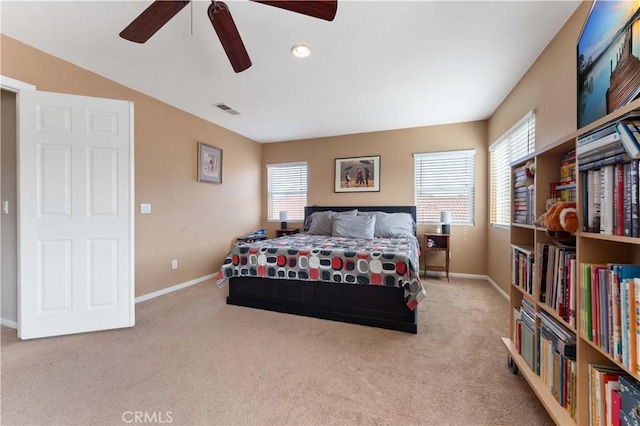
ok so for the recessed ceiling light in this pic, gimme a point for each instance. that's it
(300, 51)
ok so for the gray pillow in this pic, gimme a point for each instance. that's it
(354, 226)
(394, 225)
(322, 222)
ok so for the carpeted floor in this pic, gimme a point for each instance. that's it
(191, 359)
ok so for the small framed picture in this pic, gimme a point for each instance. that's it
(209, 163)
(357, 174)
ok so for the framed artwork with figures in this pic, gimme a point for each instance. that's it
(209, 163)
(357, 174)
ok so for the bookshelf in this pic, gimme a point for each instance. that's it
(595, 248)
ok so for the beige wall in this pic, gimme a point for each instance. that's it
(191, 221)
(396, 149)
(549, 87)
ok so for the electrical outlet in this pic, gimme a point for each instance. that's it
(174, 264)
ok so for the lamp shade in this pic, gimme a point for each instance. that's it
(445, 217)
(283, 216)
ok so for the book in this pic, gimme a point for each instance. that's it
(633, 200)
(636, 283)
(596, 134)
(618, 200)
(616, 317)
(607, 151)
(610, 139)
(616, 406)
(627, 199)
(629, 136)
(610, 387)
(596, 201)
(585, 201)
(604, 161)
(606, 199)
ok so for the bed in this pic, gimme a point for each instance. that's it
(372, 282)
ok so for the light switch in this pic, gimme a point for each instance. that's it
(5, 207)
(145, 208)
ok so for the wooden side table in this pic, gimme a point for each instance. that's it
(441, 242)
(288, 231)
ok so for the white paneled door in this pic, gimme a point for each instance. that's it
(75, 171)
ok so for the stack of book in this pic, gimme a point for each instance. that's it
(608, 164)
(628, 128)
(600, 148)
(558, 361)
(526, 327)
(565, 189)
(522, 268)
(522, 196)
(605, 394)
(610, 314)
(557, 279)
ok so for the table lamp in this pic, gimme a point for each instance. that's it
(283, 219)
(445, 218)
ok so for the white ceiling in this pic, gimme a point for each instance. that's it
(379, 65)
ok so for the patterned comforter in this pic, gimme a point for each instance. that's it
(381, 261)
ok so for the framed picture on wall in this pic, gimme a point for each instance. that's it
(357, 174)
(209, 163)
(608, 59)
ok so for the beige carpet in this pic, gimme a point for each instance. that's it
(191, 359)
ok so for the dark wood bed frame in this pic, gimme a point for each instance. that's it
(371, 305)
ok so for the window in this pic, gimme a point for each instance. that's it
(444, 181)
(513, 145)
(287, 190)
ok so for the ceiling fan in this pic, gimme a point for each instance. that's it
(161, 11)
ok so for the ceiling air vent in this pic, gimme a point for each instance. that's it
(227, 109)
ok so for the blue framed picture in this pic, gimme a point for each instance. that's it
(608, 64)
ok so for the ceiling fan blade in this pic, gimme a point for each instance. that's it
(151, 20)
(323, 9)
(229, 36)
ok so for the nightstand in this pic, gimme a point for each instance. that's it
(288, 231)
(441, 242)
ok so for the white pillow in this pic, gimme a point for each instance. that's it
(322, 222)
(393, 225)
(354, 226)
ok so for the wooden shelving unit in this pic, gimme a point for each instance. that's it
(590, 248)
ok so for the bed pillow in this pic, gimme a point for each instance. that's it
(354, 226)
(322, 222)
(394, 225)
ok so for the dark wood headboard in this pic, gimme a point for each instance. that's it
(309, 210)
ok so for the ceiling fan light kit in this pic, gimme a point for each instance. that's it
(161, 11)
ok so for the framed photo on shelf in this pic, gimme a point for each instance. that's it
(209, 163)
(357, 174)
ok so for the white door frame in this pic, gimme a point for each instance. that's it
(15, 86)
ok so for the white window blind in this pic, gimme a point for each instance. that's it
(444, 181)
(287, 190)
(518, 142)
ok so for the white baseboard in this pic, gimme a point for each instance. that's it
(498, 288)
(470, 276)
(455, 275)
(9, 323)
(13, 324)
(173, 288)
